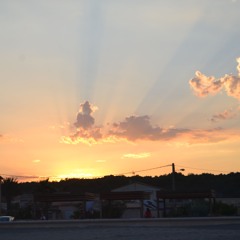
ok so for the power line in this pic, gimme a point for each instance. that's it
(202, 169)
(149, 169)
(125, 173)
(143, 170)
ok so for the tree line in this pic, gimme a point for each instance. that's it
(225, 185)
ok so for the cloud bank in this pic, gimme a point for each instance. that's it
(140, 128)
(136, 129)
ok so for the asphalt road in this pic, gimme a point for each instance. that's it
(139, 229)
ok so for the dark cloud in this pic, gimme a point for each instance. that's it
(225, 115)
(140, 128)
(134, 128)
(84, 119)
(86, 131)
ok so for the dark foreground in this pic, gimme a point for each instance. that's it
(139, 229)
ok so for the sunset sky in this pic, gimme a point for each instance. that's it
(97, 87)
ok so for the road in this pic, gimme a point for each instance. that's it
(127, 229)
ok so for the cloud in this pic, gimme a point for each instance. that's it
(7, 138)
(84, 130)
(137, 155)
(136, 129)
(225, 115)
(172, 135)
(204, 86)
(63, 126)
(133, 128)
(214, 135)
(140, 128)
(84, 118)
(232, 86)
(100, 161)
(36, 161)
(89, 137)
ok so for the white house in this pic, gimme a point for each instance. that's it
(132, 207)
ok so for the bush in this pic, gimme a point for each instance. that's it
(223, 209)
(114, 209)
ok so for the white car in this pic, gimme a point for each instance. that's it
(6, 218)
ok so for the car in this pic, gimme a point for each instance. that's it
(6, 218)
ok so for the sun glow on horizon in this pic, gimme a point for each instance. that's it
(77, 174)
(111, 87)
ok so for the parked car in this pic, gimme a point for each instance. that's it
(6, 218)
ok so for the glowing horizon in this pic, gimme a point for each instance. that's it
(119, 87)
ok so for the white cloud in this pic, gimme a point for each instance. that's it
(101, 161)
(137, 155)
(204, 86)
(36, 161)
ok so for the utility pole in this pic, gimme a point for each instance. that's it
(173, 177)
(1, 178)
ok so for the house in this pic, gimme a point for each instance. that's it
(133, 207)
(136, 186)
(62, 205)
(23, 200)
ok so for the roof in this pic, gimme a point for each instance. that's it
(64, 197)
(136, 186)
(135, 195)
(184, 195)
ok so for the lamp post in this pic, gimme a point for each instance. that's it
(1, 178)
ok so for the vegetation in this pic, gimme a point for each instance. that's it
(223, 185)
(223, 209)
(9, 190)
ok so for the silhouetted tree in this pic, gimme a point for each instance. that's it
(45, 186)
(225, 185)
(9, 191)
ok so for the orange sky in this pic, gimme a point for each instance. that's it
(92, 88)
